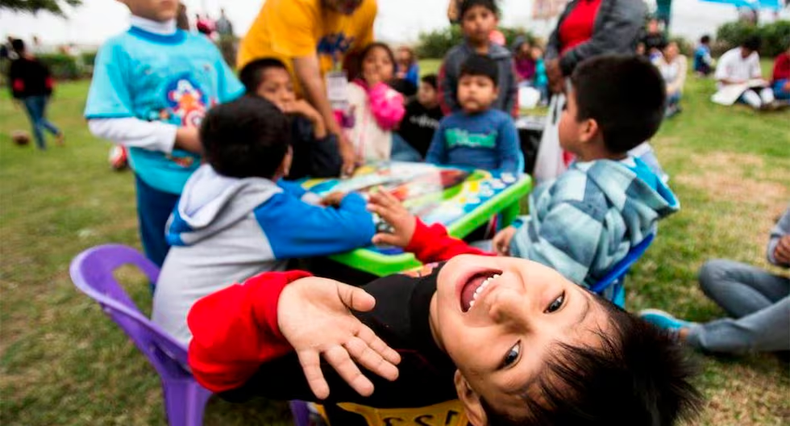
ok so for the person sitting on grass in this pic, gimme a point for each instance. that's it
(673, 67)
(739, 72)
(478, 21)
(608, 202)
(703, 62)
(512, 340)
(781, 75)
(757, 301)
(422, 118)
(478, 136)
(315, 151)
(237, 218)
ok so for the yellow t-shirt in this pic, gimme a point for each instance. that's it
(288, 29)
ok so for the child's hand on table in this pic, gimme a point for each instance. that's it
(333, 200)
(392, 211)
(314, 315)
(502, 241)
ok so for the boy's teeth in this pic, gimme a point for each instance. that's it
(482, 287)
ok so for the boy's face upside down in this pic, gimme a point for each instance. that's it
(501, 319)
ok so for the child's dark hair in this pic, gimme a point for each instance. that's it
(466, 5)
(625, 95)
(248, 137)
(369, 48)
(18, 45)
(479, 65)
(753, 43)
(251, 75)
(636, 375)
(705, 39)
(431, 80)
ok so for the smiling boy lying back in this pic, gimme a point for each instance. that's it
(513, 340)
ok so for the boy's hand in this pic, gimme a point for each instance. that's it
(554, 74)
(314, 315)
(333, 200)
(188, 139)
(502, 241)
(782, 251)
(392, 211)
(303, 108)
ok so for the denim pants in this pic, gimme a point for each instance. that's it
(757, 301)
(153, 210)
(36, 107)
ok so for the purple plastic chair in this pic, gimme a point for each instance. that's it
(185, 400)
(92, 273)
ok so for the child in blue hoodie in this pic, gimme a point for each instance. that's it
(236, 218)
(587, 220)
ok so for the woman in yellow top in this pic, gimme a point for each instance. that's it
(312, 37)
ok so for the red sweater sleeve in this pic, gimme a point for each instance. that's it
(235, 330)
(432, 244)
(782, 67)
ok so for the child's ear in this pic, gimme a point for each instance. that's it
(470, 400)
(589, 130)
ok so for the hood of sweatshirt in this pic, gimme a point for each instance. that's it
(632, 188)
(211, 202)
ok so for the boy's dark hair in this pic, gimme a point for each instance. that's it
(466, 5)
(431, 80)
(705, 39)
(753, 43)
(638, 375)
(375, 45)
(251, 75)
(248, 137)
(18, 46)
(479, 65)
(625, 95)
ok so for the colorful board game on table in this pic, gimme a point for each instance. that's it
(461, 200)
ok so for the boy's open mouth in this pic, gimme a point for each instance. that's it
(474, 287)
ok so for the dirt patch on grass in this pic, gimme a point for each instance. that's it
(740, 178)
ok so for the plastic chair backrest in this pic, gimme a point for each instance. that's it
(92, 273)
(615, 277)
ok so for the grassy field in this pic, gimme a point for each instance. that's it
(62, 362)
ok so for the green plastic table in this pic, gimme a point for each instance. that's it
(506, 203)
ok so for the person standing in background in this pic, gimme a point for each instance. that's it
(314, 38)
(31, 84)
(586, 29)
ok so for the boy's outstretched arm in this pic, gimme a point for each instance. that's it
(428, 243)
(243, 327)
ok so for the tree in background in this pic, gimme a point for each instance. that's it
(35, 6)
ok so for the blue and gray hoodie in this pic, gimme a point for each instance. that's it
(587, 220)
(225, 230)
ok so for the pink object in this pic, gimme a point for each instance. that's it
(386, 105)
(497, 37)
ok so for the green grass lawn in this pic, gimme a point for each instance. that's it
(62, 362)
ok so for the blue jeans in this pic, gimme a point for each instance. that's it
(779, 90)
(153, 210)
(757, 301)
(36, 107)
